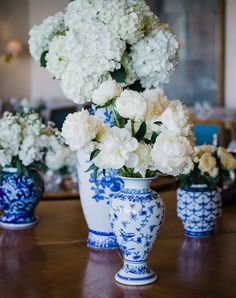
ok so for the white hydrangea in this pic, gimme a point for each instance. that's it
(131, 105)
(41, 35)
(116, 149)
(57, 58)
(77, 86)
(29, 150)
(176, 119)
(79, 129)
(154, 57)
(106, 91)
(61, 158)
(124, 17)
(172, 154)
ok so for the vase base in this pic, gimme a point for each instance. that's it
(101, 240)
(18, 224)
(135, 274)
(202, 234)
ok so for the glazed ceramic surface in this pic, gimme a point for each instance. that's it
(96, 195)
(137, 214)
(19, 196)
(199, 207)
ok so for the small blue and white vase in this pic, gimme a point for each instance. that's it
(199, 207)
(95, 195)
(136, 214)
(19, 196)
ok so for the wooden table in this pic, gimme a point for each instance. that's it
(51, 260)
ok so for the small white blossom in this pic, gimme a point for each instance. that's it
(106, 91)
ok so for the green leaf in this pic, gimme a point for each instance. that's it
(94, 154)
(154, 137)
(95, 173)
(104, 172)
(43, 61)
(91, 168)
(136, 86)
(158, 123)
(119, 75)
(142, 131)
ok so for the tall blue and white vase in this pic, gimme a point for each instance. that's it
(136, 214)
(19, 196)
(199, 207)
(96, 195)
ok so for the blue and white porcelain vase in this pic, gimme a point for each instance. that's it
(136, 214)
(199, 207)
(95, 196)
(19, 196)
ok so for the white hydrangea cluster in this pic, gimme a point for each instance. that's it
(155, 57)
(41, 35)
(93, 40)
(25, 138)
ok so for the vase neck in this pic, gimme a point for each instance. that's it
(137, 183)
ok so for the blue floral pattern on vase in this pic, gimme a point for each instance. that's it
(96, 195)
(104, 187)
(199, 207)
(137, 214)
(19, 198)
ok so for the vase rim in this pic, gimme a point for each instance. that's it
(9, 169)
(139, 179)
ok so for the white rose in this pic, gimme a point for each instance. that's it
(131, 105)
(79, 129)
(117, 146)
(158, 99)
(176, 119)
(106, 91)
(145, 161)
(172, 154)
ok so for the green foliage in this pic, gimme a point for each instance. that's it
(154, 137)
(136, 86)
(142, 131)
(119, 75)
(94, 154)
(120, 122)
(43, 61)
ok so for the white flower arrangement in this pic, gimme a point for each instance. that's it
(95, 41)
(134, 147)
(210, 165)
(25, 141)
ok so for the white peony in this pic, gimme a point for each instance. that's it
(106, 91)
(79, 129)
(117, 146)
(172, 154)
(131, 105)
(41, 35)
(176, 119)
(155, 57)
(145, 161)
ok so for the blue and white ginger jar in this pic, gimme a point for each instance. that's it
(136, 214)
(199, 207)
(19, 196)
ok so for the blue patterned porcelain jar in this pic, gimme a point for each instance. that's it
(137, 214)
(199, 207)
(19, 197)
(95, 196)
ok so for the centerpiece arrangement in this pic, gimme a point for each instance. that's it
(25, 144)
(199, 196)
(93, 42)
(151, 135)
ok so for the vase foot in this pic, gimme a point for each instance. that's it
(101, 240)
(17, 223)
(202, 234)
(135, 274)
